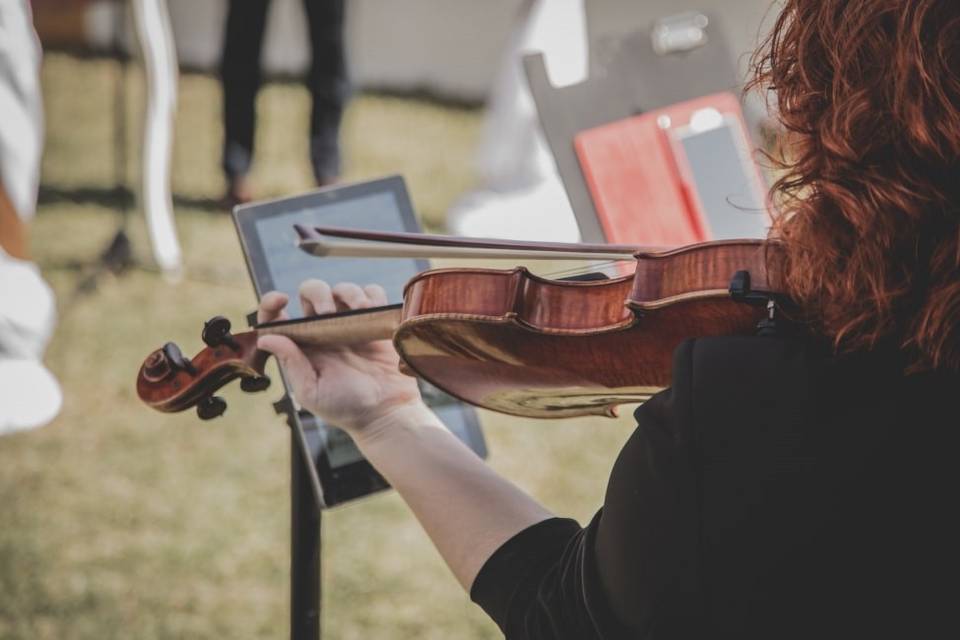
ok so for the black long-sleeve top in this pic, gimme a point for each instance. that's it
(773, 491)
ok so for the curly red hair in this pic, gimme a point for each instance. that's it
(869, 198)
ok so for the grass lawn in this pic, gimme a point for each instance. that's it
(120, 522)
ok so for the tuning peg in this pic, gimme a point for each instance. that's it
(211, 407)
(252, 384)
(176, 358)
(216, 332)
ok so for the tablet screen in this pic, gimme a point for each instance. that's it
(287, 269)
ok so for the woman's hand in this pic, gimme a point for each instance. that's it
(350, 387)
(467, 509)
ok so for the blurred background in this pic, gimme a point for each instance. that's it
(120, 522)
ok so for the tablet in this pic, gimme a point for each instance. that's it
(268, 240)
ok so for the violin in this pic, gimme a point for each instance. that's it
(505, 340)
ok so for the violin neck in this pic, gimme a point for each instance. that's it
(339, 329)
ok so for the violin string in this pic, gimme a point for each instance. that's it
(592, 267)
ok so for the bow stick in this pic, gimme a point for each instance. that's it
(316, 241)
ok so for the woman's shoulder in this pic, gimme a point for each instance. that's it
(737, 371)
(758, 379)
(748, 362)
(745, 365)
(727, 383)
(740, 379)
(775, 364)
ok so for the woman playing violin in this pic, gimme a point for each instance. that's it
(794, 485)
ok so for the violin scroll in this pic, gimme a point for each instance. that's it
(169, 381)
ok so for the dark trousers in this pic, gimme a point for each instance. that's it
(241, 76)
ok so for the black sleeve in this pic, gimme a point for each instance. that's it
(634, 565)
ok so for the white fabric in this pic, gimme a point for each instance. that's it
(27, 309)
(513, 152)
(21, 110)
(536, 213)
(29, 394)
(521, 195)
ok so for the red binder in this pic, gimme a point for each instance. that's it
(641, 180)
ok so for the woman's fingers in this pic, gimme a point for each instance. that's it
(316, 298)
(271, 307)
(302, 374)
(376, 295)
(347, 296)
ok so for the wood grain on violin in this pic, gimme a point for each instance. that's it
(508, 340)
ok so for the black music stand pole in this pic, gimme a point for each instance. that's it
(305, 591)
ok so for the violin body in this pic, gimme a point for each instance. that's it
(519, 344)
(510, 341)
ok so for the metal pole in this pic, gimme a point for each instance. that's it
(304, 547)
(305, 592)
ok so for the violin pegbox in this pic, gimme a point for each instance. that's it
(169, 381)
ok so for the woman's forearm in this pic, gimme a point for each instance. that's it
(466, 508)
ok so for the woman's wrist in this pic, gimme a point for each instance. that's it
(398, 420)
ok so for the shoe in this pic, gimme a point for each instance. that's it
(327, 181)
(238, 192)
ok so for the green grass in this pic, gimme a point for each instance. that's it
(120, 522)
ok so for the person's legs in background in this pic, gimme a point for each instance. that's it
(240, 75)
(328, 85)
